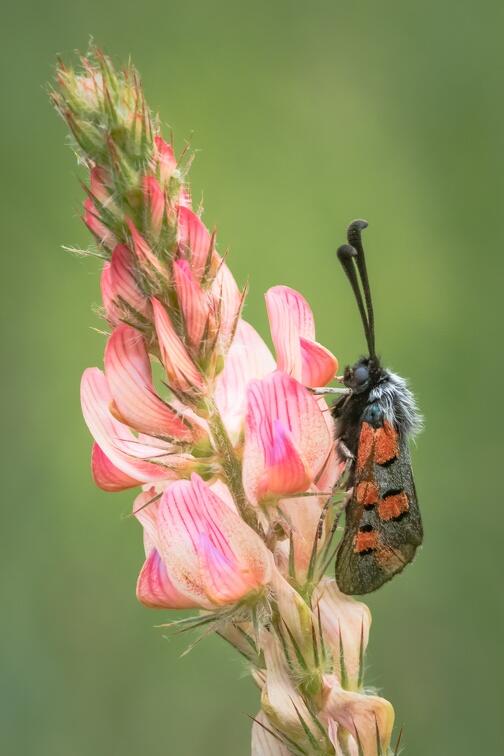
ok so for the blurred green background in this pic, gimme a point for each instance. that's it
(307, 115)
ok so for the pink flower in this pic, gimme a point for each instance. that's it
(119, 457)
(287, 440)
(293, 331)
(199, 549)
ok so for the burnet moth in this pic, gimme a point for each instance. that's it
(374, 423)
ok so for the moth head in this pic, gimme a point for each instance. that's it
(363, 375)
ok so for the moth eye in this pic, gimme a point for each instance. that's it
(361, 375)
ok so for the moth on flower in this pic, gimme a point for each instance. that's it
(374, 422)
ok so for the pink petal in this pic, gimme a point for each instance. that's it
(247, 358)
(318, 364)
(285, 472)
(155, 589)
(181, 370)
(280, 398)
(118, 283)
(193, 301)
(190, 517)
(194, 239)
(106, 475)
(224, 581)
(156, 203)
(166, 159)
(116, 440)
(293, 332)
(128, 371)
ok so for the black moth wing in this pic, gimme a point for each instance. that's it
(374, 548)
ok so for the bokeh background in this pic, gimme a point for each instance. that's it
(305, 116)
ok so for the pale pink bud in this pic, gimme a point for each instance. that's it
(280, 699)
(287, 440)
(345, 624)
(227, 300)
(166, 160)
(212, 557)
(247, 358)
(293, 332)
(119, 287)
(194, 239)
(368, 719)
(193, 301)
(129, 376)
(181, 371)
(119, 447)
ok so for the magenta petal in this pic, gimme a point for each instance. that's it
(155, 589)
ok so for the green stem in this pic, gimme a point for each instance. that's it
(232, 468)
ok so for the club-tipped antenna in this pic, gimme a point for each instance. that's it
(354, 237)
(346, 255)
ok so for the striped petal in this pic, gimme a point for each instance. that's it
(193, 301)
(194, 239)
(129, 376)
(211, 555)
(293, 332)
(114, 438)
(247, 358)
(155, 589)
(284, 429)
(106, 475)
(119, 288)
(180, 369)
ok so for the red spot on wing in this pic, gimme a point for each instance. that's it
(366, 493)
(365, 541)
(366, 443)
(386, 444)
(393, 506)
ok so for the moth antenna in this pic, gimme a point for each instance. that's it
(354, 232)
(346, 255)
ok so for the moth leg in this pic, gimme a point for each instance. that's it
(344, 451)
